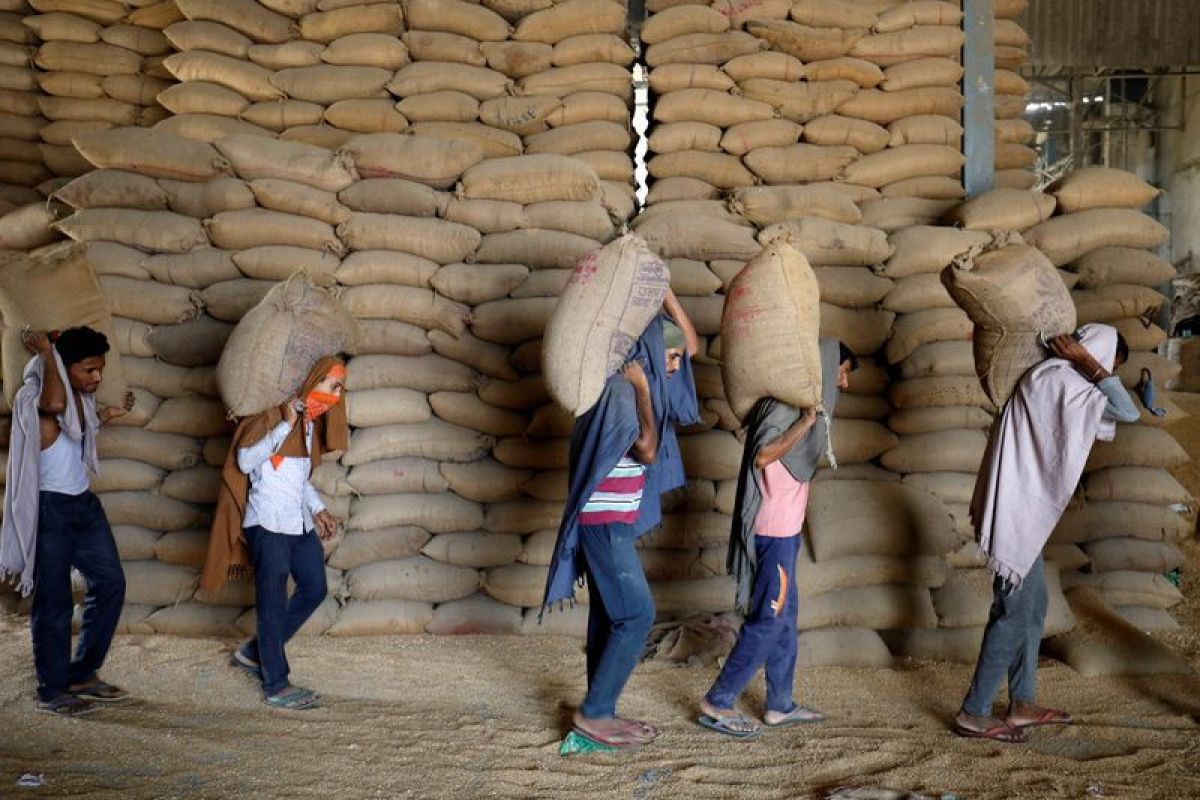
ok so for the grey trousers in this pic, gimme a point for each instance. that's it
(1010, 643)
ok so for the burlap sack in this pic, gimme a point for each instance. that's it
(1011, 294)
(152, 153)
(571, 18)
(1064, 239)
(272, 350)
(247, 16)
(477, 614)
(613, 294)
(53, 293)
(769, 332)
(1101, 187)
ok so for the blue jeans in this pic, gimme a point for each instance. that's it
(73, 532)
(1010, 643)
(768, 635)
(276, 556)
(619, 617)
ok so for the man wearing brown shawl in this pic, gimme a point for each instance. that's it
(270, 518)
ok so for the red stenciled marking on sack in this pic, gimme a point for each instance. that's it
(741, 315)
(586, 269)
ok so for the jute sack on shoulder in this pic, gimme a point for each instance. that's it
(613, 294)
(53, 293)
(1011, 294)
(270, 352)
(769, 332)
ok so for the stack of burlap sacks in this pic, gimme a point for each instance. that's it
(1124, 527)
(1015, 155)
(99, 65)
(429, 398)
(71, 67)
(21, 167)
(413, 260)
(558, 82)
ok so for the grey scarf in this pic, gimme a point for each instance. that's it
(769, 419)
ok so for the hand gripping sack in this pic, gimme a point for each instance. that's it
(276, 344)
(612, 295)
(1011, 293)
(769, 331)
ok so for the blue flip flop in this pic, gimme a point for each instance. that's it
(298, 699)
(244, 662)
(724, 725)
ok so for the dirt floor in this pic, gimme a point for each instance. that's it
(424, 717)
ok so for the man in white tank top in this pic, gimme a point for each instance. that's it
(72, 531)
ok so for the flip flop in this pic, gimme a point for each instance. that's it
(295, 700)
(800, 715)
(1003, 733)
(1049, 716)
(724, 725)
(100, 692)
(244, 662)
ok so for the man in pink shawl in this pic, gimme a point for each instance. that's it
(1034, 459)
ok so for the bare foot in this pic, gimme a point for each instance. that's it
(611, 730)
(1028, 715)
(644, 728)
(799, 715)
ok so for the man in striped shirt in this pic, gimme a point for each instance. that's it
(619, 450)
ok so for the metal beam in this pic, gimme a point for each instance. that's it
(979, 91)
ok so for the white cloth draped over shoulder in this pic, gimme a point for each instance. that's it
(18, 535)
(1036, 454)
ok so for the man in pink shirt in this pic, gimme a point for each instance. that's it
(783, 447)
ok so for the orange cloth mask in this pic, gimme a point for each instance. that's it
(317, 403)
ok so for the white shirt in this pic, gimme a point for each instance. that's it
(280, 500)
(61, 468)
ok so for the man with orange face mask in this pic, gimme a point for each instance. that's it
(270, 517)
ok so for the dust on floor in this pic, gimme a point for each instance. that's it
(476, 717)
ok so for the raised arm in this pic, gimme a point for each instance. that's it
(53, 400)
(645, 447)
(777, 448)
(675, 310)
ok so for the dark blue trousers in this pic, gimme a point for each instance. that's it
(620, 614)
(276, 556)
(73, 532)
(768, 635)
